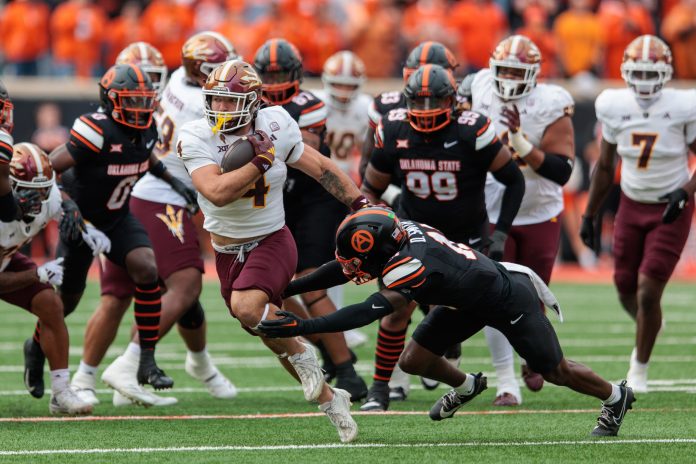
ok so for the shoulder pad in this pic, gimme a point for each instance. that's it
(6, 149)
(403, 272)
(476, 129)
(88, 130)
(556, 101)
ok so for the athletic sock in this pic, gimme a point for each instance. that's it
(60, 380)
(37, 333)
(87, 369)
(615, 395)
(467, 387)
(390, 344)
(148, 306)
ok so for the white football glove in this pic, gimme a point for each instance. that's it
(96, 240)
(51, 272)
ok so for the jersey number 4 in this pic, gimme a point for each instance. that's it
(258, 193)
(647, 145)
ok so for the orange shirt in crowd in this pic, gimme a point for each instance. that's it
(78, 32)
(168, 25)
(425, 20)
(580, 39)
(376, 37)
(24, 30)
(123, 31)
(479, 26)
(679, 29)
(622, 21)
(237, 30)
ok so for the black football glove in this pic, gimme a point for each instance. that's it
(71, 224)
(289, 326)
(676, 202)
(497, 246)
(588, 232)
(28, 201)
(187, 193)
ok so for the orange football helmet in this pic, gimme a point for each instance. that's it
(515, 64)
(647, 65)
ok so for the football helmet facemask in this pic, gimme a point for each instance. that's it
(343, 76)
(515, 65)
(430, 98)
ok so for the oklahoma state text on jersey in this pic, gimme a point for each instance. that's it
(109, 159)
(442, 174)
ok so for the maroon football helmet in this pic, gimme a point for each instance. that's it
(237, 85)
(203, 52)
(31, 169)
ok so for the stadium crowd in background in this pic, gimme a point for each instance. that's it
(81, 37)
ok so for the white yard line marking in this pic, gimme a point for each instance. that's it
(184, 449)
(300, 415)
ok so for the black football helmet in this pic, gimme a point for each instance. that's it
(6, 110)
(280, 66)
(429, 53)
(128, 96)
(430, 98)
(464, 93)
(366, 240)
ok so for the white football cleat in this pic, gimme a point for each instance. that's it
(308, 370)
(66, 402)
(120, 400)
(84, 386)
(354, 338)
(121, 376)
(217, 384)
(338, 412)
(637, 377)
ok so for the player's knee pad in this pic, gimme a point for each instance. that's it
(193, 318)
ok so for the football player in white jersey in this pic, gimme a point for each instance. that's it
(534, 121)
(347, 124)
(255, 252)
(23, 284)
(652, 130)
(164, 214)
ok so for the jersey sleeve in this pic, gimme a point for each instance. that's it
(381, 159)
(86, 137)
(314, 115)
(603, 107)
(690, 129)
(403, 274)
(285, 132)
(191, 148)
(6, 149)
(558, 103)
(479, 132)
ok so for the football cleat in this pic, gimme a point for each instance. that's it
(377, 398)
(611, 416)
(329, 367)
(150, 374)
(353, 384)
(338, 412)
(307, 367)
(217, 384)
(155, 400)
(506, 399)
(34, 360)
(120, 375)
(533, 380)
(399, 385)
(445, 407)
(84, 387)
(66, 402)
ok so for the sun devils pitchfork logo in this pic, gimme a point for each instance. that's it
(174, 221)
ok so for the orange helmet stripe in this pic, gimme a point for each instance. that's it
(363, 213)
(138, 73)
(426, 77)
(424, 52)
(273, 53)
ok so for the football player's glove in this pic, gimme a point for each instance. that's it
(71, 224)
(187, 193)
(497, 246)
(676, 202)
(289, 326)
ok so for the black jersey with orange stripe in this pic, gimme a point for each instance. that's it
(6, 149)
(433, 270)
(383, 104)
(109, 159)
(310, 112)
(442, 174)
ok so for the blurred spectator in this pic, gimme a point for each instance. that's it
(376, 38)
(209, 15)
(24, 34)
(679, 29)
(426, 20)
(535, 27)
(49, 133)
(123, 31)
(519, 7)
(78, 32)
(579, 38)
(320, 41)
(622, 21)
(167, 24)
(478, 25)
(236, 28)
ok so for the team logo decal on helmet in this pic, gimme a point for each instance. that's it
(362, 241)
(647, 65)
(515, 64)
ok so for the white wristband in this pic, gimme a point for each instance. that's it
(522, 146)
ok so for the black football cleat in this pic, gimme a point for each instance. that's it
(377, 398)
(34, 360)
(353, 384)
(150, 374)
(445, 407)
(612, 415)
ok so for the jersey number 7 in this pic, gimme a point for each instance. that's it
(647, 144)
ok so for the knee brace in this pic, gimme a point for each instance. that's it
(193, 318)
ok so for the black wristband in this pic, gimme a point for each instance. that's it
(158, 169)
(326, 276)
(8, 207)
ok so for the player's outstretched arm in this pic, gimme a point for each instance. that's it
(373, 308)
(375, 183)
(325, 276)
(331, 177)
(222, 189)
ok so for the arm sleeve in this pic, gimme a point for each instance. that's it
(510, 176)
(373, 308)
(326, 276)
(556, 168)
(8, 207)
